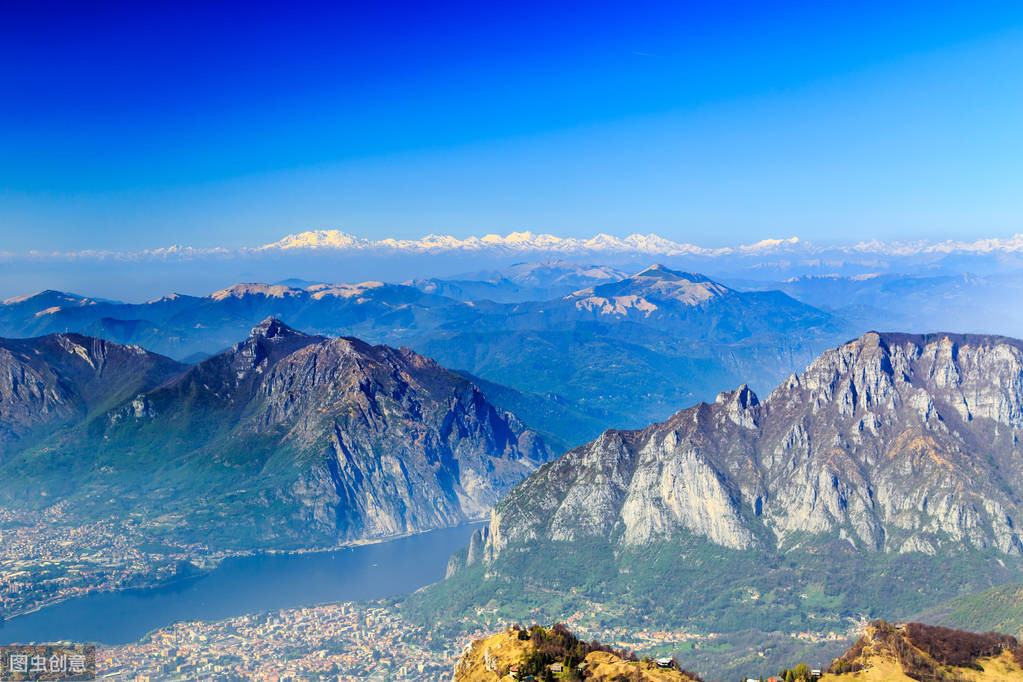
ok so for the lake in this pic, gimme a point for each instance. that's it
(247, 585)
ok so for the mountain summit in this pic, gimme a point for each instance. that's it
(892, 442)
(272, 328)
(655, 289)
(883, 479)
(285, 439)
(53, 381)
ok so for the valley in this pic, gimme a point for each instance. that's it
(737, 535)
(511, 342)
(879, 482)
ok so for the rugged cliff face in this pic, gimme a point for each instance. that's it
(397, 443)
(893, 443)
(297, 438)
(56, 380)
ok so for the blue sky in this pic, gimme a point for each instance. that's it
(130, 127)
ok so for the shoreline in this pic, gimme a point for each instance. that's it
(212, 565)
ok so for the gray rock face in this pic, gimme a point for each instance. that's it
(893, 442)
(404, 445)
(359, 441)
(52, 381)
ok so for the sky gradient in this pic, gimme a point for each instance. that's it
(128, 128)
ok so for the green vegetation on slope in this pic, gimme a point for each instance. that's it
(756, 600)
(997, 609)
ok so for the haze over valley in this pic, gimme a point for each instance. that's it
(423, 342)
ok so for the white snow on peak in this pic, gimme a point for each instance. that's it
(1013, 244)
(543, 245)
(648, 244)
(769, 244)
(318, 239)
(321, 291)
(255, 289)
(645, 293)
(167, 298)
(511, 243)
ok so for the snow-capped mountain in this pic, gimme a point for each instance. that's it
(519, 242)
(648, 244)
(335, 255)
(546, 279)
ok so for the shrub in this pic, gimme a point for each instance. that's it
(559, 645)
(957, 647)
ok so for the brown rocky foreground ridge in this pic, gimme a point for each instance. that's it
(928, 653)
(556, 654)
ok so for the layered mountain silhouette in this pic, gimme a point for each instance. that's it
(618, 350)
(286, 438)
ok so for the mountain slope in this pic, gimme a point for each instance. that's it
(291, 439)
(521, 282)
(56, 380)
(884, 479)
(518, 654)
(956, 300)
(897, 443)
(622, 351)
(923, 652)
(999, 608)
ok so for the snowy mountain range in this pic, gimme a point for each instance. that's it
(530, 243)
(335, 255)
(650, 244)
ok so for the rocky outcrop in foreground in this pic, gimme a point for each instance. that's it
(520, 654)
(924, 652)
(891, 442)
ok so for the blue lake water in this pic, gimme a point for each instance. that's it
(247, 585)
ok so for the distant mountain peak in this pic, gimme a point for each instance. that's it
(51, 294)
(272, 328)
(647, 291)
(655, 269)
(660, 271)
(255, 289)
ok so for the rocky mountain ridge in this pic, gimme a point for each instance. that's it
(291, 438)
(56, 380)
(891, 443)
(617, 350)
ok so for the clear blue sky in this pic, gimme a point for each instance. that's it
(126, 127)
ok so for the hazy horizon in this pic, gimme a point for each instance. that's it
(133, 128)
